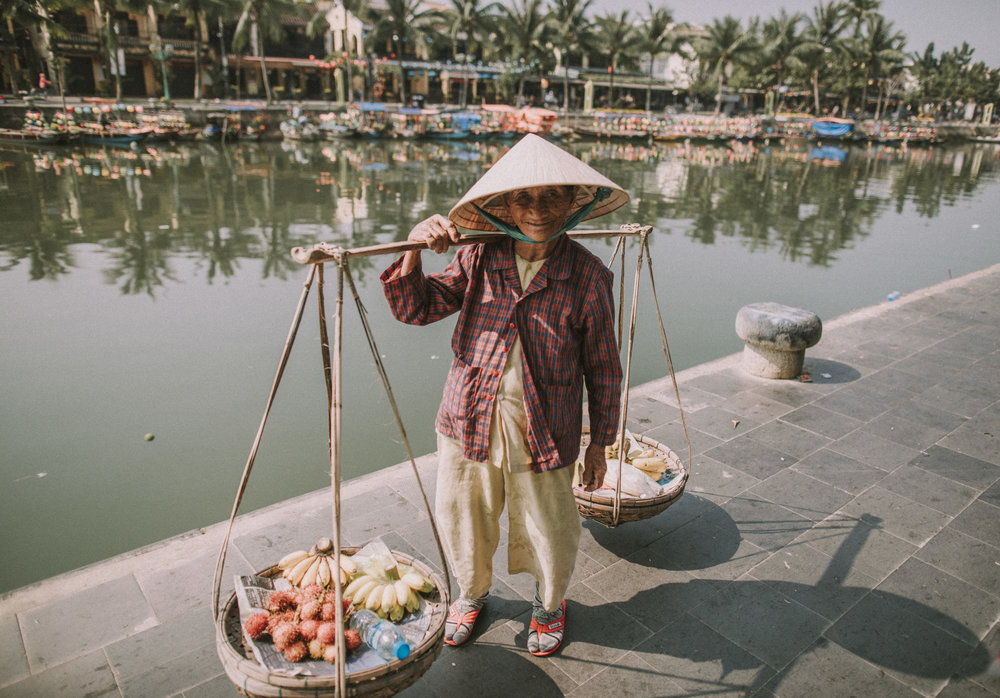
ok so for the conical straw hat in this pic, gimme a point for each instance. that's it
(534, 162)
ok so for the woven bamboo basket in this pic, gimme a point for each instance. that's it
(600, 506)
(253, 680)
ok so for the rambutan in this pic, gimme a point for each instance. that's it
(256, 625)
(277, 618)
(352, 638)
(327, 633)
(330, 654)
(280, 601)
(296, 651)
(329, 611)
(312, 591)
(310, 609)
(308, 628)
(284, 634)
(316, 649)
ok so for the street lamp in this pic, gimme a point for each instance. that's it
(162, 52)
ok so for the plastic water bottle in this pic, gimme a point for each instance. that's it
(893, 296)
(381, 635)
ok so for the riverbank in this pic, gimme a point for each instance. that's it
(595, 123)
(837, 537)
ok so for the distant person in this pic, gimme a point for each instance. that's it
(43, 84)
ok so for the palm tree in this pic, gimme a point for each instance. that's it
(404, 23)
(780, 39)
(34, 19)
(259, 17)
(621, 41)
(195, 11)
(820, 39)
(726, 43)
(467, 18)
(523, 26)
(857, 11)
(569, 25)
(659, 38)
(879, 49)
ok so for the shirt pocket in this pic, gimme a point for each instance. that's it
(460, 388)
(562, 407)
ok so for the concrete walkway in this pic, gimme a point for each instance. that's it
(839, 537)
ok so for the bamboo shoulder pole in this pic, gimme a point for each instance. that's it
(323, 252)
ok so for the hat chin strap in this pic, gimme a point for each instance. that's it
(571, 222)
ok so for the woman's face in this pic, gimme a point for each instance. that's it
(539, 212)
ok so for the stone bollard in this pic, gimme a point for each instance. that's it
(776, 338)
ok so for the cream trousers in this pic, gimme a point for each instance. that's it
(544, 530)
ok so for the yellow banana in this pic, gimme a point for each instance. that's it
(418, 582)
(412, 603)
(396, 613)
(374, 599)
(348, 565)
(403, 591)
(294, 574)
(290, 559)
(362, 593)
(356, 584)
(309, 578)
(388, 597)
(323, 573)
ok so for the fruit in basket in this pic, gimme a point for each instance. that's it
(297, 651)
(316, 566)
(256, 625)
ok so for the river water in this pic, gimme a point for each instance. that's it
(147, 295)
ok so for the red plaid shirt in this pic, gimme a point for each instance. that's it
(565, 319)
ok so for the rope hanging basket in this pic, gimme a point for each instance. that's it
(599, 506)
(253, 680)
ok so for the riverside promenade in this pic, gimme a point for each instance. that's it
(838, 537)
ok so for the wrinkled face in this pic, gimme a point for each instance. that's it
(539, 212)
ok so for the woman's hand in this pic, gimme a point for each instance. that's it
(437, 232)
(594, 467)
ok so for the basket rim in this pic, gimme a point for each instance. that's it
(248, 667)
(625, 501)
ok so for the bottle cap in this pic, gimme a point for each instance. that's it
(401, 650)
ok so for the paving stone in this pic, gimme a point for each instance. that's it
(762, 621)
(674, 437)
(217, 687)
(982, 666)
(176, 590)
(85, 621)
(964, 557)
(809, 577)
(980, 520)
(892, 378)
(701, 661)
(647, 412)
(858, 543)
(844, 473)
(827, 669)
(136, 656)
(873, 450)
(767, 525)
(168, 677)
(922, 413)
(692, 399)
(629, 676)
(943, 599)
(751, 457)
(86, 675)
(975, 442)
(822, 421)
(992, 495)
(940, 493)
(857, 401)
(709, 477)
(804, 495)
(788, 438)
(961, 687)
(721, 423)
(754, 407)
(884, 629)
(958, 466)
(900, 516)
(903, 431)
(792, 393)
(724, 383)
(13, 661)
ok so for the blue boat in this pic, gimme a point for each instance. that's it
(832, 127)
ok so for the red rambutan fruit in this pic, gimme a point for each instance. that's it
(280, 601)
(330, 654)
(316, 649)
(329, 611)
(310, 609)
(256, 625)
(296, 651)
(327, 633)
(277, 618)
(308, 628)
(284, 634)
(352, 638)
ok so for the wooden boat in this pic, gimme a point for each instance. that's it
(832, 127)
(100, 134)
(31, 138)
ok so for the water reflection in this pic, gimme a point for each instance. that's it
(257, 201)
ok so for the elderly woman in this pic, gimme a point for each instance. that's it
(535, 324)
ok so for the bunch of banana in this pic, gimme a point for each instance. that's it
(386, 597)
(316, 566)
(647, 460)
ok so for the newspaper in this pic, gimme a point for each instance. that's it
(253, 592)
